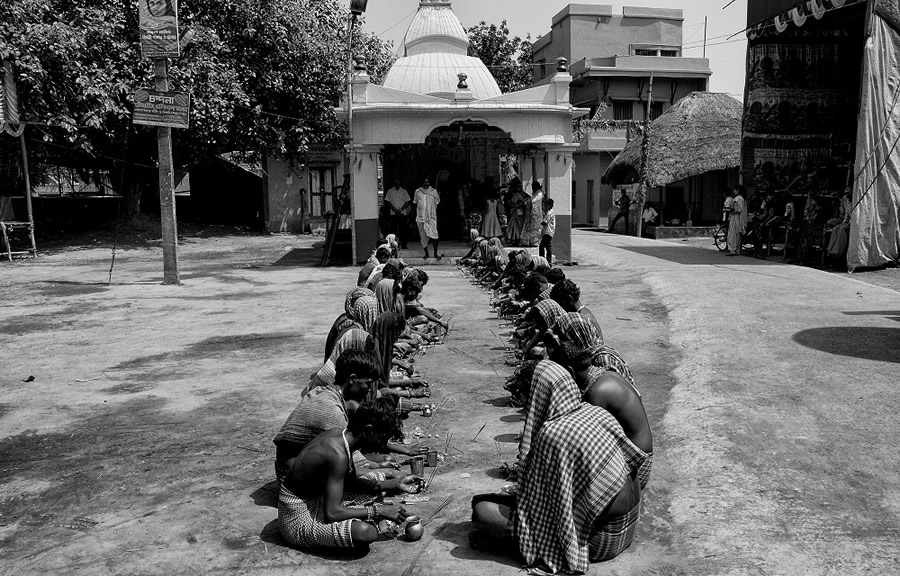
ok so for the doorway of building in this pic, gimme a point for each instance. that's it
(590, 202)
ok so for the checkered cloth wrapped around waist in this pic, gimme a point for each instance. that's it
(613, 536)
(302, 522)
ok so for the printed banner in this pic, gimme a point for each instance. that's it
(166, 109)
(159, 28)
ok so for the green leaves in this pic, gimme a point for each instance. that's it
(510, 60)
(264, 75)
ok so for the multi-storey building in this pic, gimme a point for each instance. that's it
(612, 57)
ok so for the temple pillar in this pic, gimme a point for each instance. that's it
(557, 161)
(364, 200)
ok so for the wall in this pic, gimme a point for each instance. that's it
(591, 166)
(588, 31)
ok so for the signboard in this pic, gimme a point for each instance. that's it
(159, 28)
(167, 109)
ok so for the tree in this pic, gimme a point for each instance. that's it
(510, 60)
(264, 76)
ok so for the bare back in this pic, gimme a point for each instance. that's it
(615, 394)
(319, 460)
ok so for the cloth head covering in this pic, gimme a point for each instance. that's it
(353, 296)
(474, 235)
(495, 242)
(364, 312)
(524, 257)
(573, 327)
(549, 311)
(406, 273)
(386, 295)
(352, 339)
(385, 337)
(540, 261)
(553, 394)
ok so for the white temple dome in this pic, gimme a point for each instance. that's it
(435, 53)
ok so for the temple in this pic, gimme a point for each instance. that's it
(440, 115)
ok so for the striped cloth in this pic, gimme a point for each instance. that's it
(578, 460)
(320, 410)
(388, 299)
(549, 312)
(302, 522)
(352, 339)
(613, 535)
(545, 295)
(573, 327)
(540, 261)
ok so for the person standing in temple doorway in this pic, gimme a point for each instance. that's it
(426, 201)
(398, 207)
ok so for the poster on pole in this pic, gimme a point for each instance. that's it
(159, 28)
(166, 109)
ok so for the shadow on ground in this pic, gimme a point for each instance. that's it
(689, 256)
(868, 343)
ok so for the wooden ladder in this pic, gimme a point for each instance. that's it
(6, 228)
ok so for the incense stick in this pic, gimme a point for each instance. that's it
(479, 431)
(443, 505)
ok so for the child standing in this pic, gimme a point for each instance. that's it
(548, 229)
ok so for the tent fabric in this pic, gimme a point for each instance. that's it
(875, 223)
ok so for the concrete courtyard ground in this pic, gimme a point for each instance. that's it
(143, 443)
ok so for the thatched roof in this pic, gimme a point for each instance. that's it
(699, 134)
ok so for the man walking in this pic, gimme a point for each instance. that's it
(624, 204)
(398, 208)
(426, 201)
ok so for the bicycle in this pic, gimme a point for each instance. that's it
(720, 237)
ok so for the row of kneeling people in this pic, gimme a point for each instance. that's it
(586, 450)
(335, 452)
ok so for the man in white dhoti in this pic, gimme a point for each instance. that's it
(737, 220)
(426, 201)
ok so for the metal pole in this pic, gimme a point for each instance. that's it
(168, 222)
(27, 178)
(350, 26)
(645, 153)
(705, 25)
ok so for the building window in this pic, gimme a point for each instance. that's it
(321, 191)
(669, 53)
(644, 52)
(623, 110)
(656, 110)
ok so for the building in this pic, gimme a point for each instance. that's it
(613, 56)
(438, 115)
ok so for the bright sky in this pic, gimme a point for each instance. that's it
(390, 18)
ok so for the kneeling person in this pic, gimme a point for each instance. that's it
(613, 393)
(322, 501)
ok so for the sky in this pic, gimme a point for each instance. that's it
(389, 19)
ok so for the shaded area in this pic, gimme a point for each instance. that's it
(868, 343)
(889, 314)
(689, 256)
(302, 257)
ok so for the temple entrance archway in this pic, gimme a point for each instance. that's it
(452, 155)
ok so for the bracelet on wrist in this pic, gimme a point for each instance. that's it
(370, 513)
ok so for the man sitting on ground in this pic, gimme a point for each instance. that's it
(568, 295)
(615, 394)
(323, 503)
(326, 407)
(380, 257)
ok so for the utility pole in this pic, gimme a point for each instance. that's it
(705, 25)
(645, 153)
(168, 222)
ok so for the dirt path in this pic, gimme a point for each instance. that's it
(143, 444)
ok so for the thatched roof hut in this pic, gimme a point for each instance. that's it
(699, 134)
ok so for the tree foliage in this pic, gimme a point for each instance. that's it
(264, 76)
(510, 59)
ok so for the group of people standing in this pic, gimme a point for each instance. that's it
(586, 451)
(507, 212)
(330, 492)
(761, 218)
